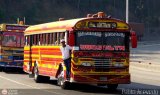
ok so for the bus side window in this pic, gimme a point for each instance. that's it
(55, 39)
(55, 42)
(62, 35)
(49, 38)
(47, 41)
(34, 39)
(41, 39)
(58, 38)
(28, 42)
(31, 40)
(38, 39)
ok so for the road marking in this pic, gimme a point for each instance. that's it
(31, 86)
(147, 45)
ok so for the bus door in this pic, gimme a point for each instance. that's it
(30, 55)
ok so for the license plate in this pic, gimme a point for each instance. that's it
(103, 78)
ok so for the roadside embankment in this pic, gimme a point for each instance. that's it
(145, 66)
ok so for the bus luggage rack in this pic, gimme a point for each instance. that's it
(102, 62)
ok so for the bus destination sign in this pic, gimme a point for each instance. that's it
(14, 27)
(102, 25)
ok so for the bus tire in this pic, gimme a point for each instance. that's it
(61, 80)
(37, 77)
(1, 69)
(5, 69)
(101, 84)
(112, 86)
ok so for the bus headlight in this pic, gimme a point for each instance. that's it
(86, 64)
(118, 64)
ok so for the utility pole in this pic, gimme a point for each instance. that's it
(127, 11)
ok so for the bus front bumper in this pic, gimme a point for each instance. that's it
(14, 65)
(101, 79)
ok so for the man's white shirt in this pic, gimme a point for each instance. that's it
(65, 52)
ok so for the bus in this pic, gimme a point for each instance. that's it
(11, 46)
(100, 51)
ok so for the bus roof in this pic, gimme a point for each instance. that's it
(52, 26)
(61, 26)
(12, 27)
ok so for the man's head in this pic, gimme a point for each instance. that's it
(63, 42)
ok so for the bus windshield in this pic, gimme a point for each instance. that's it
(13, 39)
(108, 41)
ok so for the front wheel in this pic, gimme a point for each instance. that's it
(101, 84)
(112, 86)
(61, 80)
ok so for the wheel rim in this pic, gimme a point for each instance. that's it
(35, 73)
(60, 78)
(61, 82)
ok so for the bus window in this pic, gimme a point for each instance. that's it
(37, 41)
(58, 40)
(49, 38)
(47, 41)
(43, 40)
(28, 40)
(62, 34)
(66, 35)
(34, 39)
(55, 38)
(22, 41)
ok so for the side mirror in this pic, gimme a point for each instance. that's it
(133, 40)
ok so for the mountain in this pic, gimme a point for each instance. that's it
(41, 11)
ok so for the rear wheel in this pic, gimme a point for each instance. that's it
(61, 80)
(38, 78)
(101, 84)
(1, 69)
(112, 86)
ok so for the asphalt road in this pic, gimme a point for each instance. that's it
(21, 84)
(144, 82)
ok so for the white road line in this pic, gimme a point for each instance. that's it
(147, 45)
(30, 86)
(17, 82)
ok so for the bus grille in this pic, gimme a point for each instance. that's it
(102, 62)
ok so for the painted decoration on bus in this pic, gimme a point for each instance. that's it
(110, 41)
(102, 47)
(13, 39)
(102, 25)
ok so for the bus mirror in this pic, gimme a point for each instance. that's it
(133, 40)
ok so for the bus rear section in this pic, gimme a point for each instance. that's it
(12, 43)
(11, 58)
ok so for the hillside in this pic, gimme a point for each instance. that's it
(40, 11)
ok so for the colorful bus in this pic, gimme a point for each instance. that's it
(11, 45)
(100, 54)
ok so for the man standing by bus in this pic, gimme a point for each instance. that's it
(66, 56)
